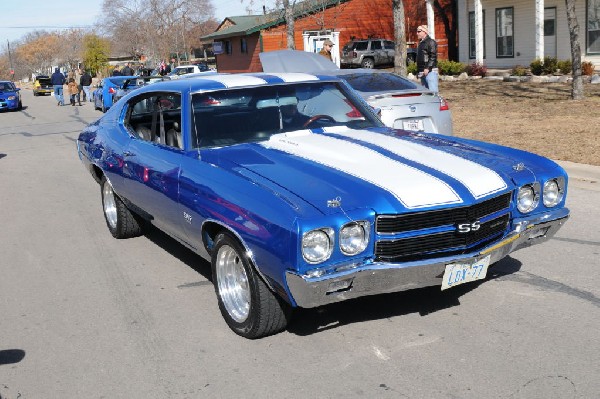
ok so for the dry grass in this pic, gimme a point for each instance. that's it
(537, 117)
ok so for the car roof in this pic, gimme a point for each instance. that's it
(217, 81)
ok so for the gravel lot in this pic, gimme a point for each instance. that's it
(537, 117)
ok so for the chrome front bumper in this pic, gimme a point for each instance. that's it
(370, 278)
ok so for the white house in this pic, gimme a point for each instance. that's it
(506, 33)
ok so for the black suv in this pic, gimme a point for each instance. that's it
(371, 53)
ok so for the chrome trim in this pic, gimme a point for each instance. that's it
(370, 278)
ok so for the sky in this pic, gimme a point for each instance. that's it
(22, 16)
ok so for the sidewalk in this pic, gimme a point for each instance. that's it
(581, 175)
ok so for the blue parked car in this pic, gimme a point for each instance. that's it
(103, 95)
(10, 98)
(299, 196)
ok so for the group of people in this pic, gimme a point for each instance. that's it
(426, 58)
(74, 89)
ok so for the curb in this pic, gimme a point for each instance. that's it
(582, 175)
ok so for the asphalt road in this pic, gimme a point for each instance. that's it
(83, 315)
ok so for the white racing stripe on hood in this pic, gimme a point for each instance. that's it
(479, 180)
(237, 80)
(412, 187)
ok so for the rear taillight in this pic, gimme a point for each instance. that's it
(112, 90)
(444, 105)
(354, 54)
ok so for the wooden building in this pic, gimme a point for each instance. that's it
(238, 40)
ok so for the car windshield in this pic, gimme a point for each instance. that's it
(229, 117)
(6, 86)
(374, 82)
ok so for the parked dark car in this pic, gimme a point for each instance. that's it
(299, 196)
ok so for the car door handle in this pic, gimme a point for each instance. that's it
(128, 154)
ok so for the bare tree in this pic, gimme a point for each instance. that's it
(577, 87)
(399, 37)
(157, 28)
(38, 52)
(289, 22)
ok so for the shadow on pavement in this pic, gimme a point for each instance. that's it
(423, 301)
(11, 356)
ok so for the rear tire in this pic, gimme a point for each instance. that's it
(249, 308)
(121, 222)
(367, 63)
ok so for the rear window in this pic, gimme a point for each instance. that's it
(373, 82)
(44, 81)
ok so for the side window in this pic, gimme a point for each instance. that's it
(361, 46)
(376, 45)
(389, 45)
(156, 118)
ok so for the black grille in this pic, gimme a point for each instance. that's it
(450, 242)
(390, 224)
(421, 245)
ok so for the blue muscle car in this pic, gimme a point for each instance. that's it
(299, 196)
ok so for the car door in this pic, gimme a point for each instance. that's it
(152, 162)
(389, 51)
(377, 52)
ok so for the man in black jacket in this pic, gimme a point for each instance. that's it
(85, 81)
(58, 80)
(427, 59)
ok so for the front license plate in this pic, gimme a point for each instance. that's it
(413, 124)
(460, 273)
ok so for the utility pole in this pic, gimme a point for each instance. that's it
(12, 71)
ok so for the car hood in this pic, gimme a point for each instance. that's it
(386, 170)
(295, 61)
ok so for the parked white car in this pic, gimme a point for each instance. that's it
(403, 104)
(187, 69)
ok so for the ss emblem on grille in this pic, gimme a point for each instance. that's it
(468, 227)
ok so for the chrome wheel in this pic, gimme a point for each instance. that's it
(110, 205)
(232, 282)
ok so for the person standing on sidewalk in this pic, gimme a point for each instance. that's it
(58, 80)
(86, 81)
(127, 71)
(326, 50)
(427, 59)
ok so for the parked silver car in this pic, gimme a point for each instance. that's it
(404, 104)
(372, 53)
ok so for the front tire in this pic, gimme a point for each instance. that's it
(121, 222)
(246, 303)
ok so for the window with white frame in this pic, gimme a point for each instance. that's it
(504, 32)
(593, 27)
(472, 33)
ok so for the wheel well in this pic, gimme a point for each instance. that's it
(97, 173)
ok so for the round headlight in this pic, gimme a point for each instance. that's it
(317, 245)
(527, 199)
(354, 237)
(552, 193)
